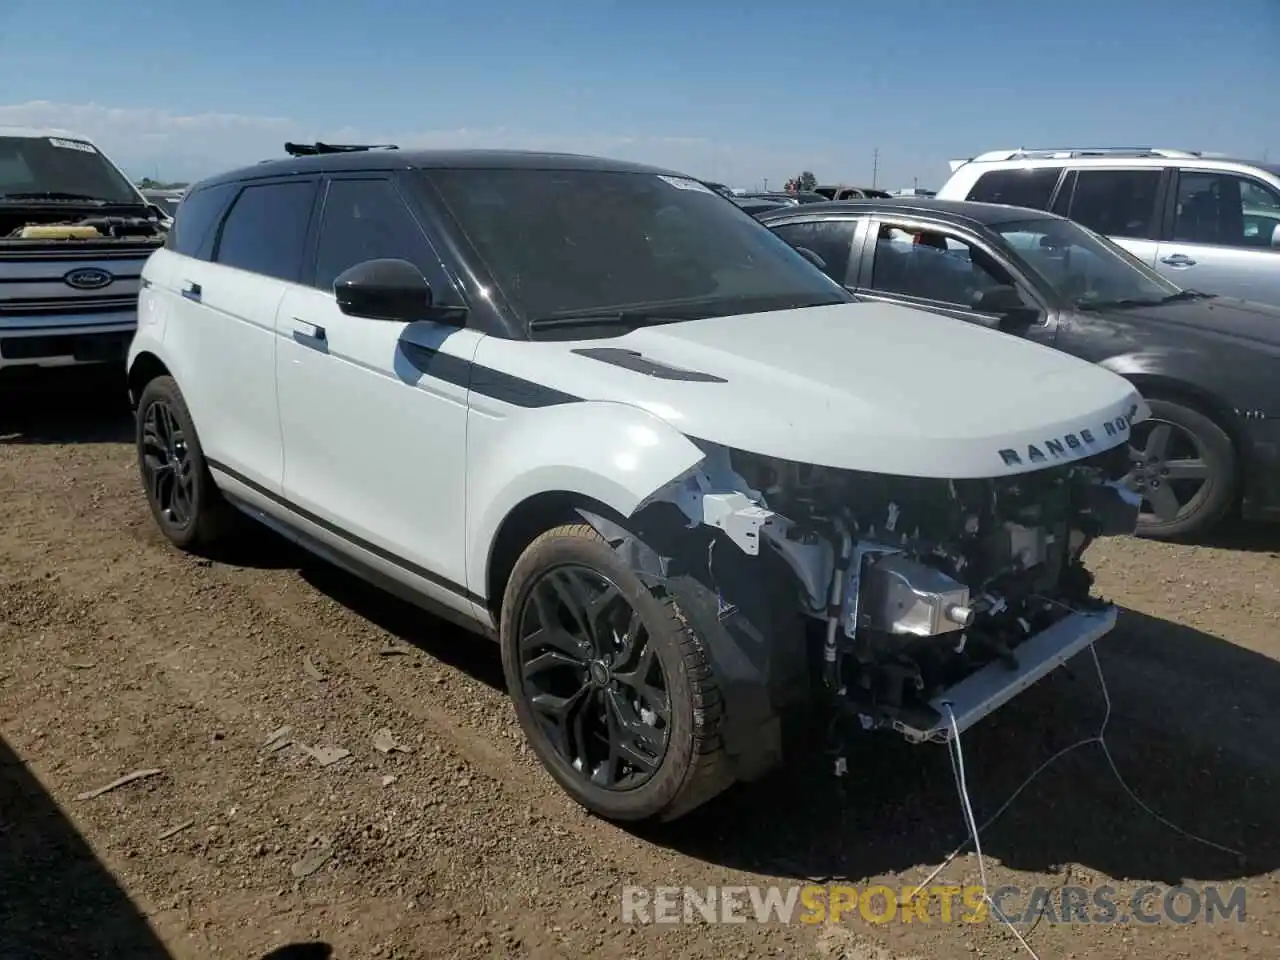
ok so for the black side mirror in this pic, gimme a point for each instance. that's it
(390, 290)
(812, 257)
(1006, 303)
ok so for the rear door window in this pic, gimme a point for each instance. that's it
(829, 239)
(1116, 203)
(1225, 209)
(1022, 187)
(266, 230)
(196, 220)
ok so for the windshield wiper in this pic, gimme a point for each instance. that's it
(621, 318)
(1188, 295)
(51, 195)
(1083, 303)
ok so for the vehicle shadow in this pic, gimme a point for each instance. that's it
(56, 898)
(65, 405)
(1246, 536)
(314, 950)
(452, 645)
(1193, 731)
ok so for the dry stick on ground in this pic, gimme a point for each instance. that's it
(127, 778)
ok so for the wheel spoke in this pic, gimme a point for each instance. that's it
(1164, 502)
(1157, 445)
(566, 727)
(557, 639)
(1187, 469)
(631, 739)
(551, 660)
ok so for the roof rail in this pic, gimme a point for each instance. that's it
(314, 149)
(1070, 153)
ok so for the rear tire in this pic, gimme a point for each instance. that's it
(185, 502)
(616, 696)
(1184, 466)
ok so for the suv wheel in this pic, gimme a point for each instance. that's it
(184, 500)
(1184, 466)
(611, 687)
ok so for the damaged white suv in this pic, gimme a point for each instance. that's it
(594, 410)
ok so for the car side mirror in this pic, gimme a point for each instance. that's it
(390, 289)
(1006, 303)
(1275, 237)
(812, 257)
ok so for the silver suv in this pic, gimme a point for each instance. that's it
(1207, 223)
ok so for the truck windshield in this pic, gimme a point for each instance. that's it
(1082, 266)
(566, 243)
(52, 168)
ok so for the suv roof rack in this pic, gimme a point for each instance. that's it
(1070, 153)
(314, 149)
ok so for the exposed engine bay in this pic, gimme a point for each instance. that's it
(56, 226)
(913, 586)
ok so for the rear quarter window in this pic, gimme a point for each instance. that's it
(1027, 187)
(196, 220)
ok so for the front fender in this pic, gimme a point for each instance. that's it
(613, 453)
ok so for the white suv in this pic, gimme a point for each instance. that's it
(595, 411)
(1208, 223)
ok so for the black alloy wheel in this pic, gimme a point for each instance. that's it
(184, 500)
(1182, 464)
(592, 677)
(166, 464)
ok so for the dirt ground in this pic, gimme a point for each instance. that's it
(119, 654)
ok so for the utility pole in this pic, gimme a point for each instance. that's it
(766, 185)
(875, 166)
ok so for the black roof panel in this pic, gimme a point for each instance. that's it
(378, 159)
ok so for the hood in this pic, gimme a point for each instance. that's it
(1222, 319)
(861, 386)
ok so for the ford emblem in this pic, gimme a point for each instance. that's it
(88, 278)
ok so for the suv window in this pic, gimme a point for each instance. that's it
(829, 239)
(195, 219)
(923, 263)
(367, 220)
(1225, 209)
(1028, 187)
(266, 229)
(1116, 203)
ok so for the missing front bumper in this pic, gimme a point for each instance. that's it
(993, 686)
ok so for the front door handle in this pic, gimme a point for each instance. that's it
(302, 330)
(192, 290)
(1178, 260)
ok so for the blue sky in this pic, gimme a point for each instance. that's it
(735, 92)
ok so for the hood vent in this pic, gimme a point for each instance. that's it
(633, 360)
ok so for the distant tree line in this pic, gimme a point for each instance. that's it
(806, 181)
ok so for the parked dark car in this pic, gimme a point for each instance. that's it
(845, 192)
(1207, 364)
(787, 196)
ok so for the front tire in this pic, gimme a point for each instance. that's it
(612, 688)
(185, 502)
(1184, 466)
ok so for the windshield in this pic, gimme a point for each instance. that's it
(1083, 267)
(582, 242)
(53, 168)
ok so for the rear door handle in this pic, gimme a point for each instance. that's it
(1178, 260)
(192, 290)
(302, 330)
